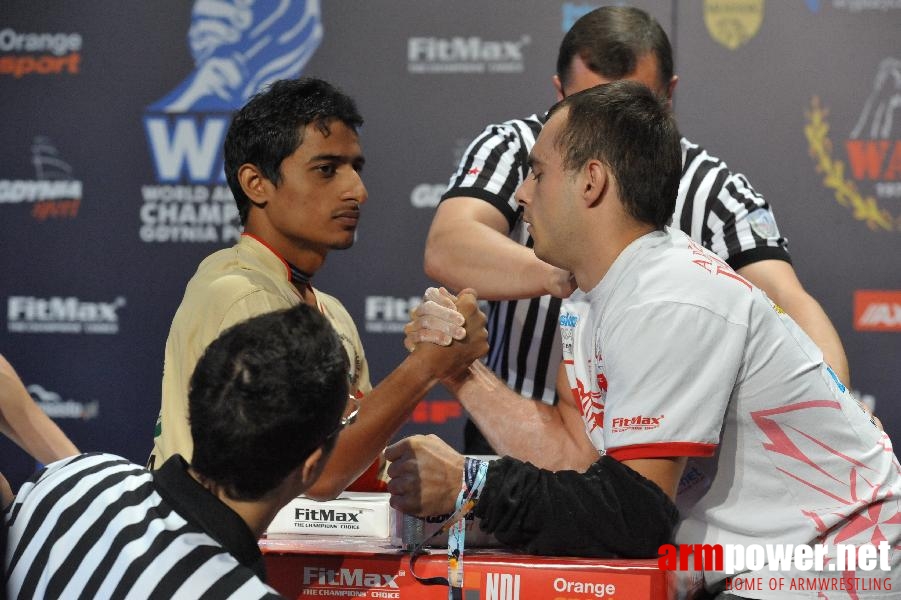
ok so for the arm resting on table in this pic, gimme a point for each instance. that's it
(609, 510)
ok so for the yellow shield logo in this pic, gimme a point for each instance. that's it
(733, 22)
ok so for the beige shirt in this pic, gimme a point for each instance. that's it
(232, 285)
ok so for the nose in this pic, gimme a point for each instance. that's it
(357, 189)
(523, 193)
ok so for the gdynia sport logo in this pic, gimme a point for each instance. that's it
(762, 567)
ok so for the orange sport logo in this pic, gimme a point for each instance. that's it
(877, 310)
(42, 53)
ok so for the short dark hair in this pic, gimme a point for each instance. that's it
(630, 129)
(264, 395)
(270, 127)
(611, 39)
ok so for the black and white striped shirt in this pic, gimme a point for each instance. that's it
(716, 207)
(98, 526)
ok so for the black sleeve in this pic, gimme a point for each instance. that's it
(607, 511)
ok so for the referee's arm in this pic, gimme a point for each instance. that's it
(467, 246)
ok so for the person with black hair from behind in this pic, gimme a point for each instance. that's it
(266, 402)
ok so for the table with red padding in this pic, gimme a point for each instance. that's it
(331, 567)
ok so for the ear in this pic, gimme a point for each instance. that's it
(255, 184)
(312, 467)
(670, 90)
(558, 87)
(596, 182)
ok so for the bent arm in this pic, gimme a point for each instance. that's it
(552, 437)
(382, 413)
(467, 246)
(22, 421)
(388, 406)
(6, 493)
(780, 282)
(611, 509)
(770, 269)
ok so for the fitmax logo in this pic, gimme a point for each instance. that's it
(323, 515)
(639, 422)
(388, 314)
(28, 314)
(463, 49)
(348, 578)
(465, 55)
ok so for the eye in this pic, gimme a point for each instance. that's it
(327, 169)
(536, 176)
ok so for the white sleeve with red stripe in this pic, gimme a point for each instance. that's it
(670, 370)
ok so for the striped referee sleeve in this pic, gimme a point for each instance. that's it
(525, 347)
(723, 212)
(495, 164)
(93, 526)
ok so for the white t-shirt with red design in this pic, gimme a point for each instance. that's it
(674, 354)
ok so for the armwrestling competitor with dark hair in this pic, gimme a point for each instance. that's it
(293, 162)
(698, 411)
(478, 238)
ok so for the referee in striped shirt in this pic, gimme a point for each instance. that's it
(265, 404)
(478, 239)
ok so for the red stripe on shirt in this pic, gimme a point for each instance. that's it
(662, 450)
(271, 249)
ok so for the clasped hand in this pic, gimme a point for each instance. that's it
(447, 331)
(426, 475)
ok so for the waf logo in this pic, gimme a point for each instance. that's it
(238, 48)
(877, 310)
(639, 423)
(869, 181)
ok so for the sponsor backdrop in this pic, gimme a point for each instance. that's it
(111, 184)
